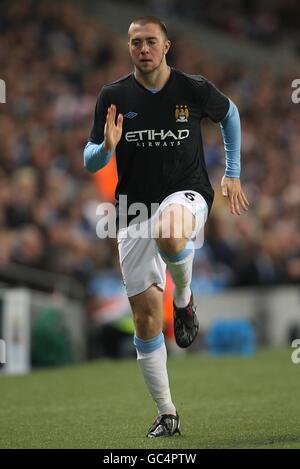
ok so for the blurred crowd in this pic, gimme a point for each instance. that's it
(54, 60)
(265, 21)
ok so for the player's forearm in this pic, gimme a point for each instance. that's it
(231, 132)
(95, 156)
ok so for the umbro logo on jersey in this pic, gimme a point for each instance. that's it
(130, 115)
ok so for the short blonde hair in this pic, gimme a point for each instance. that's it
(142, 20)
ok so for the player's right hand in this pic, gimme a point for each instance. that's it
(112, 132)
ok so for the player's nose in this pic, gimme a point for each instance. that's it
(145, 47)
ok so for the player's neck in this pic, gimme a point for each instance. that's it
(157, 79)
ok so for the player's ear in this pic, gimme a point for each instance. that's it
(128, 43)
(167, 46)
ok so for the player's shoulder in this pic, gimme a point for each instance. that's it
(120, 83)
(194, 80)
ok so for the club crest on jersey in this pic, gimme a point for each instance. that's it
(181, 113)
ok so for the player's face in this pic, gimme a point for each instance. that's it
(148, 46)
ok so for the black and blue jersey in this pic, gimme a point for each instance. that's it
(161, 150)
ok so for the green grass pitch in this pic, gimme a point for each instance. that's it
(227, 402)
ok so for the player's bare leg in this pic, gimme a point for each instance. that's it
(175, 227)
(147, 308)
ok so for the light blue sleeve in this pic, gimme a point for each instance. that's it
(231, 132)
(95, 157)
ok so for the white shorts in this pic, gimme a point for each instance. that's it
(141, 263)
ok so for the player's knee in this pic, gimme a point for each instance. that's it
(171, 245)
(174, 227)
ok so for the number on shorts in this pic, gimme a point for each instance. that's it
(190, 196)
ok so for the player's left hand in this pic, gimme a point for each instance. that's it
(232, 189)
